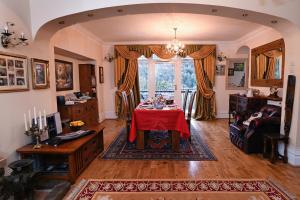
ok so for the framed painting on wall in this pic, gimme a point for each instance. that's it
(220, 70)
(13, 73)
(63, 75)
(101, 75)
(40, 73)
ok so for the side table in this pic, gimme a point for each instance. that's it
(274, 139)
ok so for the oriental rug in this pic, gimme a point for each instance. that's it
(158, 146)
(178, 189)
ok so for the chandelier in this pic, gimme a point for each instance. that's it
(175, 46)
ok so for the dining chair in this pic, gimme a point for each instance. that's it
(132, 100)
(190, 108)
(127, 113)
(186, 94)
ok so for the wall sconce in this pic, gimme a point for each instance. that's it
(221, 57)
(9, 38)
(109, 58)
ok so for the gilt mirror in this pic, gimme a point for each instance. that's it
(236, 74)
(267, 64)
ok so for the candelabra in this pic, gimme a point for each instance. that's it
(9, 38)
(36, 132)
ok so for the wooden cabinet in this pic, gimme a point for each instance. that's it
(87, 112)
(68, 160)
(87, 79)
(238, 103)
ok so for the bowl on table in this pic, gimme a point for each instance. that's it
(76, 125)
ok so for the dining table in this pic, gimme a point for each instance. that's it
(147, 117)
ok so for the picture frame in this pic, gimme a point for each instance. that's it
(63, 75)
(101, 75)
(220, 70)
(236, 74)
(40, 73)
(13, 73)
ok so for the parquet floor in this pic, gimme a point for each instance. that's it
(231, 164)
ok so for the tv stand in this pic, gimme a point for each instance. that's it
(68, 160)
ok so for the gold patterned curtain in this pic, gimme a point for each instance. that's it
(130, 80)
(270, 71)
(204, 63)
(126, 70)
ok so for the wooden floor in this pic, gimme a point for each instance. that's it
(231, 164)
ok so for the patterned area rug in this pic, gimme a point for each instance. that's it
(178, 189)
(158, 147)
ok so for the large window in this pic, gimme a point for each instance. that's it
(164, 78)
(143, 77)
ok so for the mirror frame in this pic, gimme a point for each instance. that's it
(261, 49)
(232, 60)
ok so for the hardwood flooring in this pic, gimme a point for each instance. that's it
(231, 164)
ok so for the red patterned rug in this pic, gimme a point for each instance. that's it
(179, 189)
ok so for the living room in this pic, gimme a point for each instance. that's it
(88, 51)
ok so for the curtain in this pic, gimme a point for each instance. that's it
(130, 80)
(204, 62)
(126, 70)
(270, 71)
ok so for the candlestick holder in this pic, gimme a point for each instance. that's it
(36, 133)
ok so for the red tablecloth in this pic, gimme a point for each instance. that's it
(143, 119)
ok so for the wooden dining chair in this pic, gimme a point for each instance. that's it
(132, 100)
(127, 113)
(186, 94)
(190, 108)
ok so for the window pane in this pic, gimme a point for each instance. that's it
(188, 78)
(165, 77)
(143, 77)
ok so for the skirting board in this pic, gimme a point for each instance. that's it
(110, 115)
(294, 157)
(222, 115)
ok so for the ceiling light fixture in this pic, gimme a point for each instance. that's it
(175, 46)
(9, 38)
(274, 21)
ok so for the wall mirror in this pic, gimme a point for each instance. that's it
(267, 64)
(237, 74)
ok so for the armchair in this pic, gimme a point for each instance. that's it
(250, 138)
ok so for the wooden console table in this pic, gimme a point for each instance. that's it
(68, 160)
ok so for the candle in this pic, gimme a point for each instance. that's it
(5, 29)
(45, 118)
(40, 123)
(30, 119)
(22, 35)
(34, 115)
(25, 121)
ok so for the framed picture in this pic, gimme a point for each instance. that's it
(220, 70)
(13, 72)
(40, 73)
(230, 72)
(237, 74)
(63, 75)
(101, 75)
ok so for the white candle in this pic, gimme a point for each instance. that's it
(25, 121)
(41, 124)
(34, 115)
(30, 119)
(22, 35)
(45, 118)
(5, 29)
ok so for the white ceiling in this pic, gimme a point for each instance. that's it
(159, 27)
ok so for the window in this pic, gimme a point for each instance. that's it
(143, 77)
(164, 78)
(188, 78)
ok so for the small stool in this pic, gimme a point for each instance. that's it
(274, 139)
